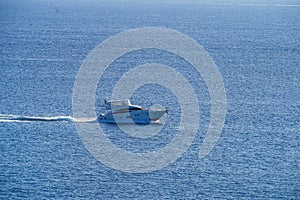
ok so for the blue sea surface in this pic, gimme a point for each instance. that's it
(256, 49)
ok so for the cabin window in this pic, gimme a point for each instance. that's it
(135, 108)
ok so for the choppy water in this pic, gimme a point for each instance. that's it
(256, 48)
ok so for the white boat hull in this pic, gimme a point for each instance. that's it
(144, 116)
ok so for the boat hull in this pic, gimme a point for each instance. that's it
(145, 116)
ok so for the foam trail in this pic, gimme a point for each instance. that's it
(20, 118)
(85, 120)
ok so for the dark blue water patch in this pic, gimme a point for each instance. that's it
(33, 158)
(28, 87)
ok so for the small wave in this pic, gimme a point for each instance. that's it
(19, 118)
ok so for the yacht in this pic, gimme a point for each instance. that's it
(122, 111)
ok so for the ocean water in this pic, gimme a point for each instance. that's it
(256, 49)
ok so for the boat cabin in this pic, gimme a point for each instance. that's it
(120, 105)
